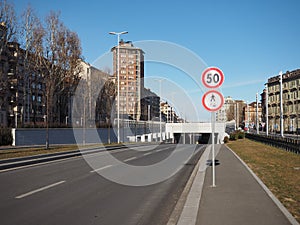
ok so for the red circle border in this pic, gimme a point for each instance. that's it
(207, 70)
(216, 92)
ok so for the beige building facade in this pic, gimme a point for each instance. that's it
(291, 101)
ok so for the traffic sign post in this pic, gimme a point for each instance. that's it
(212, 101)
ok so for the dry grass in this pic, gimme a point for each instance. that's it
(22, 152)
(278, 169)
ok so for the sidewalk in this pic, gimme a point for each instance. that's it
(237, 198)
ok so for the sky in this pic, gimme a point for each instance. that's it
(249, 41)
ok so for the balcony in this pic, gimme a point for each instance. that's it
(293, 87)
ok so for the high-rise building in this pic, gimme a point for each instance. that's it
(131, 72)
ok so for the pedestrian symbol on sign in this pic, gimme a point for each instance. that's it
(212, 100)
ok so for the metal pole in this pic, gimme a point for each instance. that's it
(118, 77)
(149, 113)
(281, 106)
(118, 100)
(267, 110)
(257, 121)
(213, 149)
(248, 117)
(160, 111)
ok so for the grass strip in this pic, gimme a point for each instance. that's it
(23, 152)
(278, 169)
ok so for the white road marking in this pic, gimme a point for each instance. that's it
(129, 159)
(39, 164)
(148, 153)
(40, 189)
(102, 168)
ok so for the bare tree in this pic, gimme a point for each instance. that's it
(8, 17)
(9, 33)
(30, 23)
(230, 113)
(105, 102)
(57, 55)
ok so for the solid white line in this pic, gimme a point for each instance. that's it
(40, 189)
(102, 168)
(148, 153)
(159, 150)
(132, 158)
(39, 164)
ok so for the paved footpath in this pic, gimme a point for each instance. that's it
(238, 198)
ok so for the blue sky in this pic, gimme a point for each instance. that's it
(249, 40)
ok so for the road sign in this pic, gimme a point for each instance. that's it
(212, 100)
(212, 77)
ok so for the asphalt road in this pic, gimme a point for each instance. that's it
(71, 192)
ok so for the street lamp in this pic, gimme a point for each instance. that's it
(118, 77)
(160, 128)
(267, 109)
(257, 121)
(281, 105)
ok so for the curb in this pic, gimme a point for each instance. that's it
(282, 208)
(186, 209)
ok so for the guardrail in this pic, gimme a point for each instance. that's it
(288, 144)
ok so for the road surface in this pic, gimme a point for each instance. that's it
(71, 192)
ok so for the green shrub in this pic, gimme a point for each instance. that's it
(237, 135)
(233, 136)
(241, 135)
(5, 136)
(226, 139)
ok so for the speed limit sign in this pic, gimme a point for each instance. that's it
(212, 77)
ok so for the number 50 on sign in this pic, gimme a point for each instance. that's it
(212, 77)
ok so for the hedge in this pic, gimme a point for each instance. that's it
(5, 136)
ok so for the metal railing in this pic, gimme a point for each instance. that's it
(288, 144)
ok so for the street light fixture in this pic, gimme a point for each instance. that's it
(160, 127)
(118, 77)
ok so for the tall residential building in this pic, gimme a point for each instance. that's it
(291, 101)
(22, 100)
(131, 71)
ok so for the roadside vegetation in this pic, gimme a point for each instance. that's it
(278, 169)
(22, 152)
(5, 136)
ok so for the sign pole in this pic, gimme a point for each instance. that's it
(213, 149)
(212, 101)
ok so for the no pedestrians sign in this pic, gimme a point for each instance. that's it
(212, 100)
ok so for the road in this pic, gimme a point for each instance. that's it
(71, 192)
